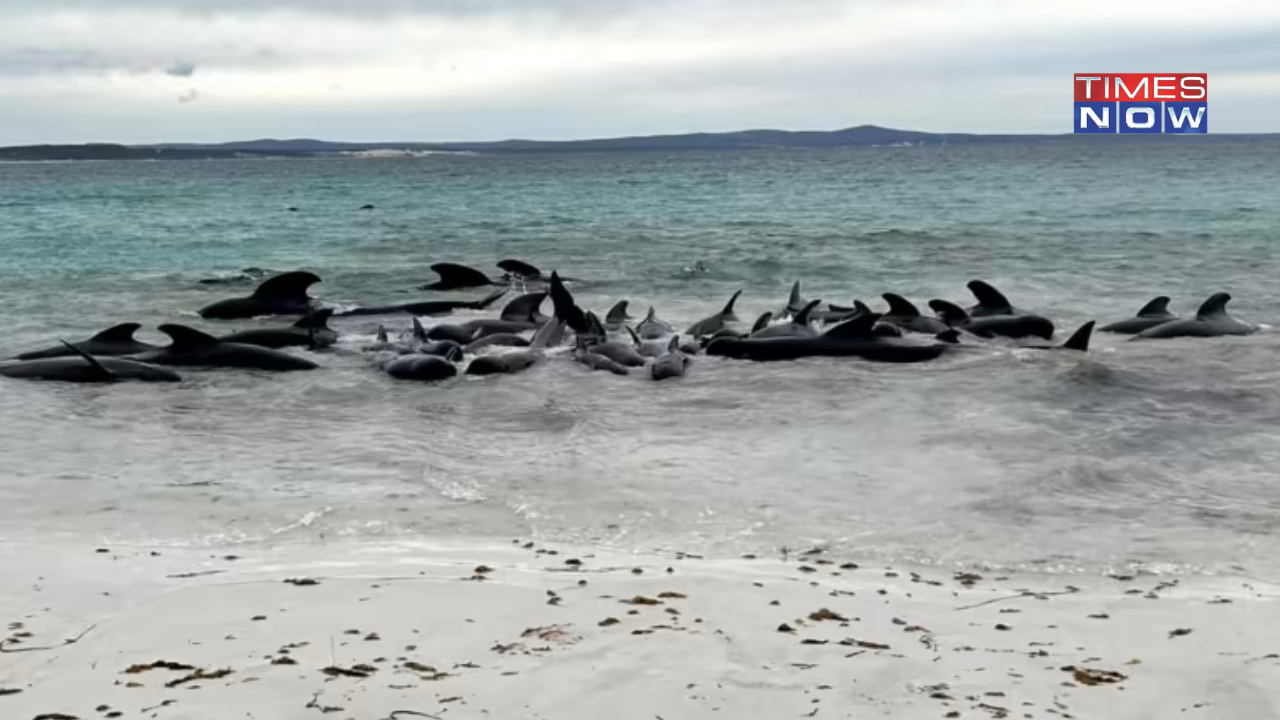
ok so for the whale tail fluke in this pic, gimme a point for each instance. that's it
(566, 308)
(1079, 340)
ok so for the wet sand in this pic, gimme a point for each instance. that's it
(523, 631)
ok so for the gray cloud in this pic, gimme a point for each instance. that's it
(181, 69)
(485, 69)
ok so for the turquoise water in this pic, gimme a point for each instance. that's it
(1161, 454)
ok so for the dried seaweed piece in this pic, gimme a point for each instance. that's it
(284, 660)
(200, 674)
(359, 671)
(1091, 676)
(864, 644)
(670, 595)
(1180, 632)
(826, 614)
(608, 621)
(157, 665)
(302, 582)
(642, 600)
(9, 691)
(813, 641)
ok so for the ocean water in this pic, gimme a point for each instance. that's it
(1164, 455)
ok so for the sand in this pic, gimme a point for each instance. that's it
(525, 632)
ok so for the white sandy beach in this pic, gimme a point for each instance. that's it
(518, 632)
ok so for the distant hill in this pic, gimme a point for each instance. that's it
(861, 136)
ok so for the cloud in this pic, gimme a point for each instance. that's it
(484, 69)
(181, 70)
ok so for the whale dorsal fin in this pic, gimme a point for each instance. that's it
(1079, 339)
(102, 371)
(524, 307)
(419, 332)
(860, 326)
(317, 319)
(1215, 305)
(520, 269)
(948, 312)
(988, 297)
(187, 337)
(382, 334)
(287, 286)
(762, 322)
(861, 308)
(793, 301)
(118, 334)
(802, 317)
(565, 307)
(900, 306)
(635, 338)
(460, 275)
(652, 315)
(674, 345)
(617, 313)
(1159, 307)
(728, 307)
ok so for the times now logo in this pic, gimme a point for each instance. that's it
(1176, 103)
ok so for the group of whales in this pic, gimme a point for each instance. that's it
(521, 335)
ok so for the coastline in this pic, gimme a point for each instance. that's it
(468, 629)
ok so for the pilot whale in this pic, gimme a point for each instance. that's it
(284, 294)
(1211, 320)
(1152, 314)
(81, 367)
(195, 348)
(312, 331)
(113, 342)
(715, 323)
(989, 326)
(855, 337)
(427, 308)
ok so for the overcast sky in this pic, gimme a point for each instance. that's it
(210, 70)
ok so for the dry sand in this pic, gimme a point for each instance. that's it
(522, 633)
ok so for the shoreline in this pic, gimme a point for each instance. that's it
(467, 630)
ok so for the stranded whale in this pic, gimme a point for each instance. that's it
(112, 342)
(284, 294)
(1211, 320)
(193, 347)
(1152, 314)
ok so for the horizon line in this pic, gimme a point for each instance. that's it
(605, 138)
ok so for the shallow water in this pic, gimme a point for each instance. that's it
(1161, 454)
